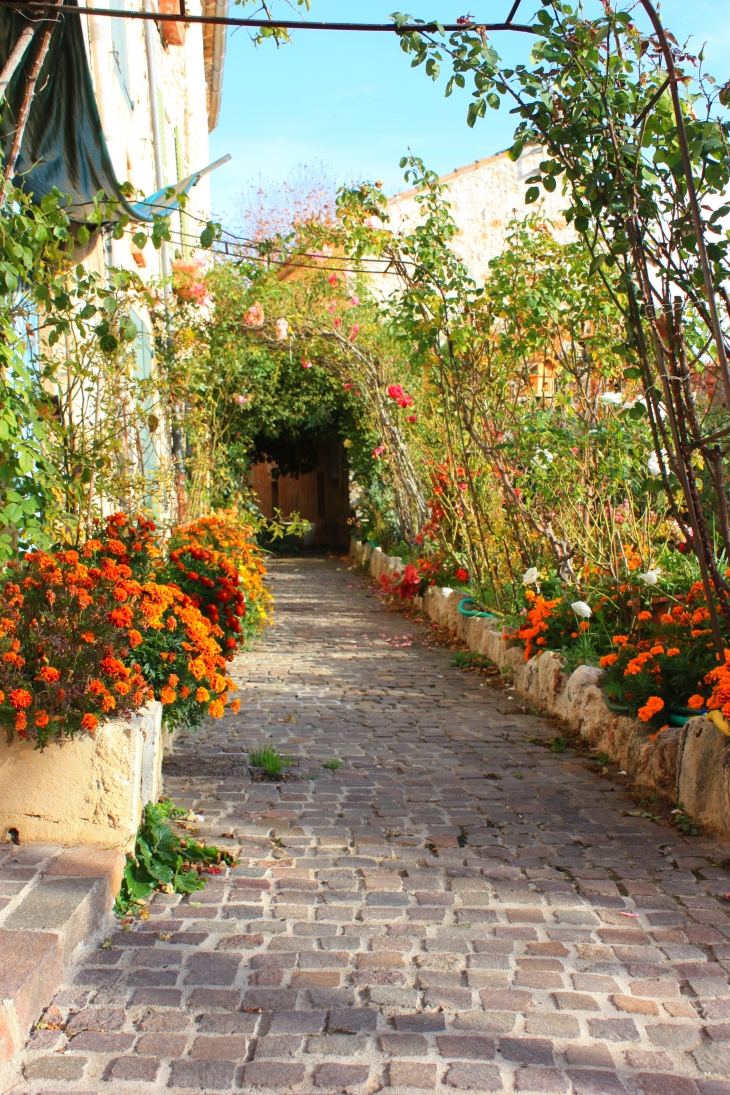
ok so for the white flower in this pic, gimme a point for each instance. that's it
(582, 610)
(653, 466)
(651, 577)
(282, 330)
(530, 576)
(614, 398)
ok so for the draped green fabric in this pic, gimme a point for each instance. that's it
(63, 144)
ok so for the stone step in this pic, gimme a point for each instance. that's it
(65, 906)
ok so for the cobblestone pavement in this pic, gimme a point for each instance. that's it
(455, 909)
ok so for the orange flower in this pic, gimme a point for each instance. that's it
(645, 615)
(173, 680)
(202, 695)
(608, 659)
(184, 691)
(167, 695)
(122, 688)
(235, 707)
(620, 640)
(49, 674)
(2, 696)
(651, 708)
(21, 721)
(108, 703)
(696, 702)
(88, 636)
(134, 637)
(19, 698)
(89, 722)
(673, 651)
(41, 718)
(216, 709)
(584, 625)
(121, 617)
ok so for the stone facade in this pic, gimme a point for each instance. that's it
(484, 197)
(91, 790)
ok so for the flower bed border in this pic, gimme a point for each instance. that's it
(688, 764)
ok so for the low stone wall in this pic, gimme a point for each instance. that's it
(87, 791)
(690, 764)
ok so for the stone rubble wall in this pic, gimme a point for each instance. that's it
(90, 790)
(689, 764)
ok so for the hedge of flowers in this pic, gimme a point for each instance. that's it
(96, 633)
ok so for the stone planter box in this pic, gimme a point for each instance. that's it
(87, 791)
(690, 764)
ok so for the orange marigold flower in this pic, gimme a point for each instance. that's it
(21, 721)
(171, 623)
(696, 702)
(235, 707)
(88, 636)
(173, 680)
(121, 617)
(20, 698)
(651, 708)
(667, 618)
(2, 696)
(48, 673)
(673, 651)
(10, 657)
(184, 691)
(134, 637)
(645, 615)
(619, 640)
(89, 722)
(167, 695)
(108, 703)
(122, 688)
(216, 709)
(584, 625)
(608, 659)
(202, 695)
(96, 687)
(41, 718)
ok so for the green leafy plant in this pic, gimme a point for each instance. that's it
(162, 860)
(684, 822)
(333, 764)
(270, 759)
(558, 744)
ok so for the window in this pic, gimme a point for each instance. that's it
(119, 51)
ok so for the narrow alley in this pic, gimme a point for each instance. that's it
(454, 908)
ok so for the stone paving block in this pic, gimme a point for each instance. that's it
(472, 1077)
(410, 1074)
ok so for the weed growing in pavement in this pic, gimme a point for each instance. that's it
(601, 760)
(270, 759)
(519, 775)
(682, 821)
(162, 860)
(333, 764)
(558, 744)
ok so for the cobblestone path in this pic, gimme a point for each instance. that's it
(454, 909)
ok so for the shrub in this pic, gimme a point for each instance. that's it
(213, 585)
(224, 534)
(131, 541)
(67, 631)
(672, 662)
(181, 659)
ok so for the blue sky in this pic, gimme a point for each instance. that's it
(352, 103)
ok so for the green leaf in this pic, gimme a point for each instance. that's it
(632, 373)
(532, 194)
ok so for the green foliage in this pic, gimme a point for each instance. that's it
(333, 764)
(162, 860)
(558, 744)
(270, 759)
